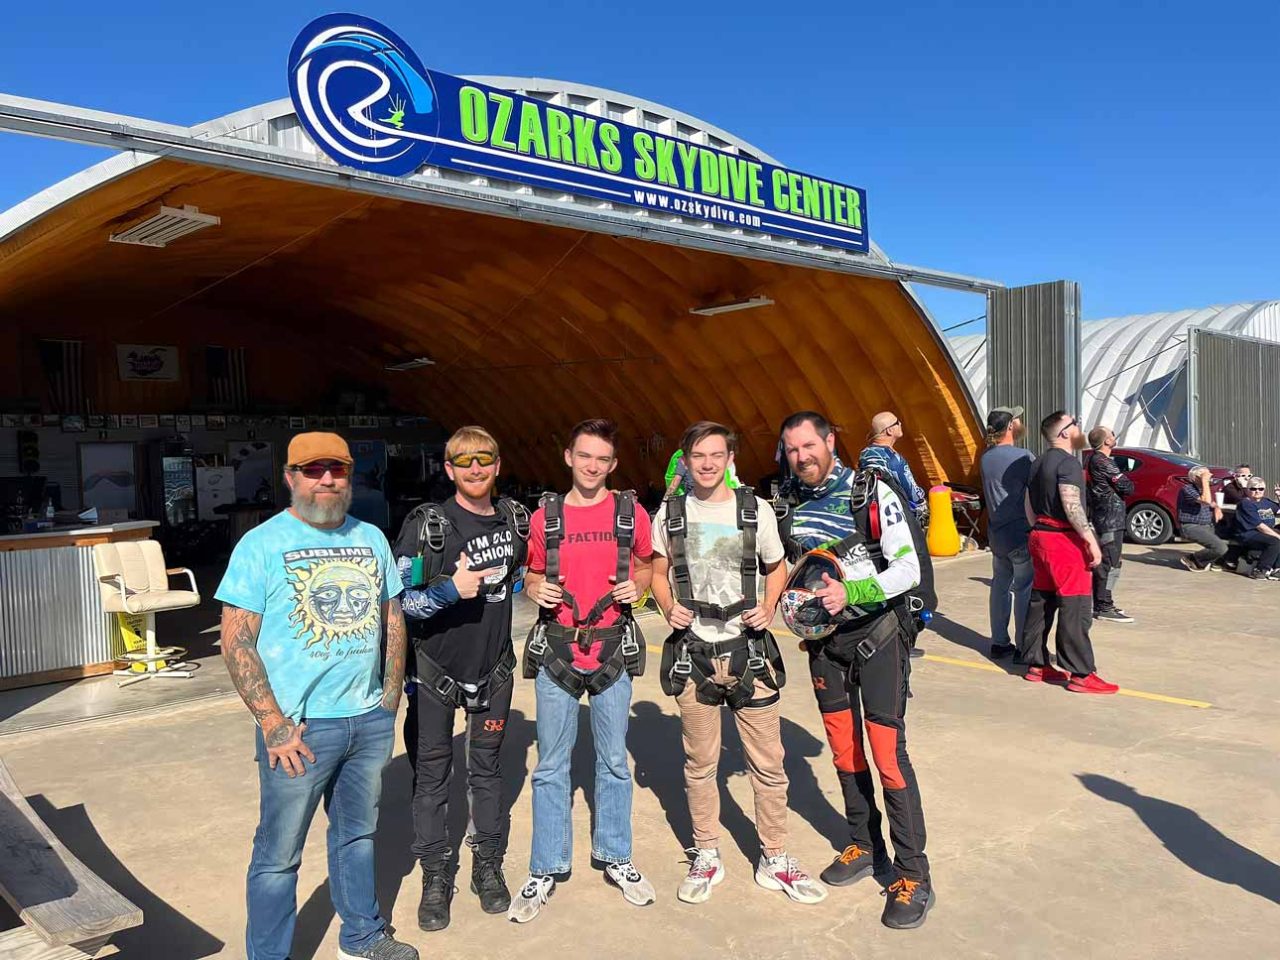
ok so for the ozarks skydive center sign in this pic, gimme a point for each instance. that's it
(368, 102)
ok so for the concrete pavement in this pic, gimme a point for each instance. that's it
(1059, 825)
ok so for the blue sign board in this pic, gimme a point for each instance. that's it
(369, 103)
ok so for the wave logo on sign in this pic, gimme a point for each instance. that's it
(363, 96)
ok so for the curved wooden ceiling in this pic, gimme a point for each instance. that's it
(532, 327)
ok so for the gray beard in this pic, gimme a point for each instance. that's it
(322, 515)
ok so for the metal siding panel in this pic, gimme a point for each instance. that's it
(1236, 402)
(1033, 351)
(37, 634)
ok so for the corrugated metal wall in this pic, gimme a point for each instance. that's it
(1033, 351)
(42, 631)
(1235, 401)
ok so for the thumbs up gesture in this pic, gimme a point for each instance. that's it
(834, 597)
(468, 581)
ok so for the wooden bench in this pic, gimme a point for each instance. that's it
(68, 912)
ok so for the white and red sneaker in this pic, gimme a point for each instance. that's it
(705, 872)
(784, 873)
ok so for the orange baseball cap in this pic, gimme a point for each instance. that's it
(309, 447)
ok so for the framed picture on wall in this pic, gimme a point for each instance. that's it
(183, 422)
(217, 421)
(148, 421)
(73, 423)
(167, 419)
(113, 421)
(109, 478)
(128, 420)
(197, 421)
(9, 419)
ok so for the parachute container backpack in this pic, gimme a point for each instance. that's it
(802, 608)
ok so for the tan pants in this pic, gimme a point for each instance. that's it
(761, 733)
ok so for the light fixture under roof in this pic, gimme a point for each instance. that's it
(168, 225)
(413, 364)
(732, 306)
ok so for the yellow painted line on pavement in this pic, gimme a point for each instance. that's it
(992, 668)
(1140, 694)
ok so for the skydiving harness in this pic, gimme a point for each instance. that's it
(753, 656)
(428, 567)
(548, 644)
(863, 543)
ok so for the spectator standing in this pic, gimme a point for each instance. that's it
(1106, 487)
(886, 430)
(1005, 469)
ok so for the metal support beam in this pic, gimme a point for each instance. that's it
(78, 125)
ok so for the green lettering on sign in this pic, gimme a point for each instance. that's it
(688, 163)
(558, 143)
(755, 170)
(609, 137)
(855, 208)
(738, 178)
(780, 202)
(643, 143)
(826, 201)
(474, 111)
(710, 172)
(840, 208)
(502, 121)
(811, 202)
(666, 161)
(796, 192)
(584, 142)
(531, 136)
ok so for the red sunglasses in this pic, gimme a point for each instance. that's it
(316, 471)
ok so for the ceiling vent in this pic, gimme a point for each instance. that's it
(166, 226)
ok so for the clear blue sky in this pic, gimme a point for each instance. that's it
(1133, 146)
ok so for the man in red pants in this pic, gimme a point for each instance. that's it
(1063, 552)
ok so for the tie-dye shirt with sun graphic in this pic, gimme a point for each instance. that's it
(320, 595)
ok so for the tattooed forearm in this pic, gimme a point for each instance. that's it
(240, 653)
(1072, 507)
(397, 646)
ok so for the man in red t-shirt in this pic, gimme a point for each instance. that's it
(591, 602)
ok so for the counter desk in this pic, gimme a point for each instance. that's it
(52, 625)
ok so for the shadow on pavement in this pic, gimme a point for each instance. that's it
(163, 927)
(1156, 557)
(392, 844)
(963, 636)
(656, 746)
(1191, 839)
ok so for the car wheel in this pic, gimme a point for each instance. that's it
(1150, 525)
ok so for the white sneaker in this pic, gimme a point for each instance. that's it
(526, 904)
(784, 873)
(705, 872)
(635, 888)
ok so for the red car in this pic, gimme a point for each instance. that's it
(1157, 476)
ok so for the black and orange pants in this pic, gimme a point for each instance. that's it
(853, 695)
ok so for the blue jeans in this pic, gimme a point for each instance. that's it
(350, 754)
(1010, 587)
(552, 798)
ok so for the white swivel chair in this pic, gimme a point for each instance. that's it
(134, 580)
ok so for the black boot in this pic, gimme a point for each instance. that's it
(487, 880)
(437, 893)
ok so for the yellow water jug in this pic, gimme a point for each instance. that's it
(944, 538)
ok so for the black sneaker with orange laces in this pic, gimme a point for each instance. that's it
(852, 864)
(907, 902)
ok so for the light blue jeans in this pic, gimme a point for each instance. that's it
(552, 798)
(350, 754)
(1010, 589)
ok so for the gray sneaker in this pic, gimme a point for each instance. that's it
(526, 904)
(384, 948)
(635, 888)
